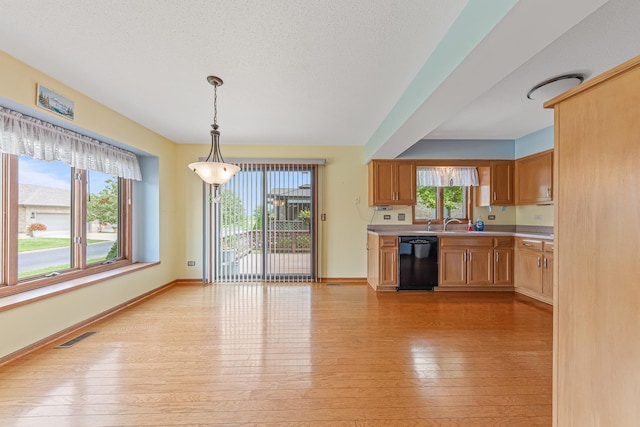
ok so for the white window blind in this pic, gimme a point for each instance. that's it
(446, 176)
(264, 227)
(22, 135)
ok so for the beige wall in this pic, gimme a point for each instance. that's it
(32, 322)
(344, 179)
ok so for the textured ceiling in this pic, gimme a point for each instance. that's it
(295, 72)
(317, 72)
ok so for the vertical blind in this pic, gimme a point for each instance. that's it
(264, 227)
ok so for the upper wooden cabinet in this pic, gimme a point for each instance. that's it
(496, 186)
(392, 182)
(534, 179)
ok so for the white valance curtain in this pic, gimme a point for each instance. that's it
(23, 135)
(447, 176)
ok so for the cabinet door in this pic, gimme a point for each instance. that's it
(382, 183)
(502, 182)
(503, 267)
(534, 179)
(453, 266)
(480, 266)
(530, 270)
(405, 184)
(388, 267)
(547, 275)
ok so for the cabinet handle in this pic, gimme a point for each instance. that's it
(527, 245)
(464, 257)
(538, 262)
(497, 256)
(494, 196)
(470, 256)
(545, 264)
(548, 192)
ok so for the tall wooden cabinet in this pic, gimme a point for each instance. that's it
(496, 184)
(597, 261)
(534, 179)
(392, 182)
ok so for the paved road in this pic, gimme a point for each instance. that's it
(34, 260)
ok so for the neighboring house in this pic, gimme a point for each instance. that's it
(47, 205)
(289, 202)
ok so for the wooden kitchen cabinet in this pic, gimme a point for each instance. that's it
(547, 269)
(392, 182)
(503, 261)
(382, 262)
(476, 261)
(389, 262)
(496, 184)
(534, 271)
(534, 179)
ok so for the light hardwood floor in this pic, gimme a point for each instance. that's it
(295, 355)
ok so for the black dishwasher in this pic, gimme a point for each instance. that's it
(418, 263)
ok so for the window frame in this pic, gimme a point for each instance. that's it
(9, 282)
(452, 163)
(440, 207)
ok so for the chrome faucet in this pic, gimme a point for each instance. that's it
(448, 221)
(428, 225)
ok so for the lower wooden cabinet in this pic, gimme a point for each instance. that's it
(534, 268)
(389, 262)
(382, 262)
(476, 261)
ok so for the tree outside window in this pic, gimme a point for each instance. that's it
(437, 203)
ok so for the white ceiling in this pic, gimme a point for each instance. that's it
(316, 72)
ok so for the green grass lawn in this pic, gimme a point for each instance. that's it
(39, 243)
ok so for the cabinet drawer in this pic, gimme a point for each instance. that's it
(548, 246)
(388, 241)
(466, 241)
(529, 244)
(503, 242)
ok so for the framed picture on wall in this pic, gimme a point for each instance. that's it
(54, 102)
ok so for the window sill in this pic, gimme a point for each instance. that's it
(9, 302)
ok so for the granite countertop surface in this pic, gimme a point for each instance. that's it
(531, 232)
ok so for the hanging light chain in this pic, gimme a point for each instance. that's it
(215, 104)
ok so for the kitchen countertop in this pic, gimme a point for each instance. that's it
(453, 233)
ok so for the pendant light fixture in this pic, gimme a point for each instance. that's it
(215, 172)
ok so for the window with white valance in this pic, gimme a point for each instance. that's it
(22, 135)
(61, 189)
(446, 176)
(443, 192)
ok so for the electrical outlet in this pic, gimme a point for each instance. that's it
(191, 263)
(357, 200)
(538, 217)
(387, 217)
(323, 217)
(400, 217)
(492, 217)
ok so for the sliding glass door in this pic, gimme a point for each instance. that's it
(263, 229)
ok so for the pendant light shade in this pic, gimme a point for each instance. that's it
(214, 170)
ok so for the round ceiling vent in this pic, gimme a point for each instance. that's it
(555, 86)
